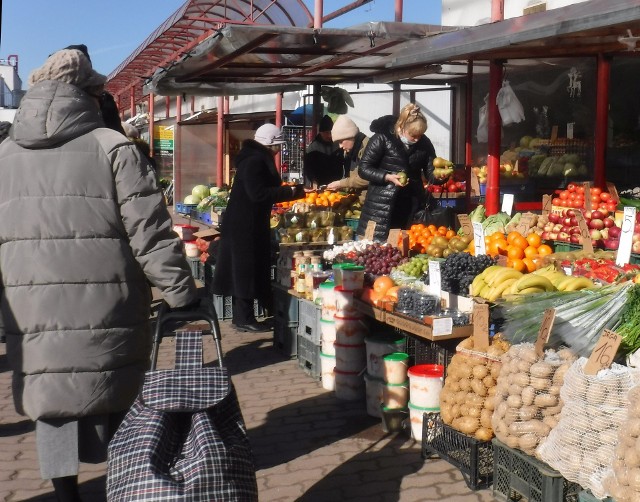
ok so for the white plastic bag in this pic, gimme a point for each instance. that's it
(509, 105)
(482, 134)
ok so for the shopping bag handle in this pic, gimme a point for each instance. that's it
(165, 316)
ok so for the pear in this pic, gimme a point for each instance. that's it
(442, 163)
(402, 178)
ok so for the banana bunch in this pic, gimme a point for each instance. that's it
(492, 283)
(563, 282)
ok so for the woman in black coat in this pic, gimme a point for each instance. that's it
(244, 260)
(393, 198)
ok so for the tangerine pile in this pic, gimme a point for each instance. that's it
(421, 236)
(326, 198)
(522, 252)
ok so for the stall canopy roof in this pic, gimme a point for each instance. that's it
(267, 59)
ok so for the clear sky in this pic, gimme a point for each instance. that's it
(33, 29)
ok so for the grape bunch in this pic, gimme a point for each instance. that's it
(416, 266)
(459, 269)
(378, 259)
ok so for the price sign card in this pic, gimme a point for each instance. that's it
(481, 327)
(626, 236)
(603, 353)
(507, 203)
(613, 191)
(587, 196)
(442, 326)
(585, 233)
(434, 278)
(465, 224)
(370, 230)
(526, 222)
(478, 238)
(545, 330)
(546, 204)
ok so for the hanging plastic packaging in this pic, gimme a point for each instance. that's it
(509, 105)
(482, 135)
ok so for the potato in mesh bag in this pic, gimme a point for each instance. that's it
(527, 401)
(466, 400)
(582, 447)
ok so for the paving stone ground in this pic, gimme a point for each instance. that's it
(309, 446)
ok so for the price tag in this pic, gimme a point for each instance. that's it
(587, 196)
(546, 204)
(626, 236)
(434, 278)
(554, 133)
(478, 238)
(585, 233)
(465, 224)
(475, 184)
(481, 327)
(370, 230)
(613, 191)
(404, 243)
(442, 326)
(394, 237)
(567, 270)
(603, 353)
(545, 330)
(502, 260)
(570, 126)
(507, 203)
(525, 223)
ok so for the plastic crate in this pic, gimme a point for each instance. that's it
(204, 217)
(474, 458)
(285, 338)
(197, 269)
(285, 307)
(184, 208)
(208, 271)
(516, 473)
(352, 223)
(224, 307)
(427, 352)
(309, 320)
(585, 496)
(309, 357)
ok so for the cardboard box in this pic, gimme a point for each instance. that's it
(424, 330)
(369, 310)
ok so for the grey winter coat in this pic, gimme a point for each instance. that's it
(82, 226)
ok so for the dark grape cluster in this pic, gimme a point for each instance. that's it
(459, 269)
(377, 259)
(416, 303)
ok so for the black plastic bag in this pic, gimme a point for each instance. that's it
(435, 213)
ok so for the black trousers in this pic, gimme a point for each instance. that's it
(243, 312)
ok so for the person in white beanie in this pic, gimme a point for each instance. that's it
(353, 142)
(83, 227)
(243, 268)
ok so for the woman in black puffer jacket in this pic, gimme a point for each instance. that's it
(396, 148)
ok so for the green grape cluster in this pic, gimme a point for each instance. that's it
(416, 266)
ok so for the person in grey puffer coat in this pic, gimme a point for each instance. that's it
(394, 149)
(83, 225)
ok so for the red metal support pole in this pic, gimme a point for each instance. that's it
(468, 125)
(278, 157)
(397, 90)
(602, 121)
(151, 122)
(177, 153)
(317, 14)
(398, 11)
(220, 143)
(132, 103)
(492, 198)
(497, 10)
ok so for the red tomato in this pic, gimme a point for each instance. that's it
(605, 196)
(595, 199)
(564, 194)
(596, 191)
(556, 201)
(612, 206)
(571, 187)
(437, 189)
(580, 189)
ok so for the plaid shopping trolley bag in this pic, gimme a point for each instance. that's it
(184, 438)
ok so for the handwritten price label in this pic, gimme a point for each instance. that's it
(434, 277)
(585, 233)
(546, 204)
(481, 326)
(525, 223)
(587, 196)
(507, 203)
(603, 353)
(626, 236)
(545, 330)
(465, 224)
(478, 238)
(370, 230)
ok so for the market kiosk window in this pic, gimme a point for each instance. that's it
(548, 113)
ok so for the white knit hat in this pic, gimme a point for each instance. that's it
(70, 66)
(268, 135)
(344, 128)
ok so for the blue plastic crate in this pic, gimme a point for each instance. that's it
(184, 208)
(309, 357)
(205, 217)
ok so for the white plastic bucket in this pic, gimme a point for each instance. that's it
(395, 395)
(350, 330)
(353, 278)
(425, 384)
(349, 385)
(327, 365)
(374, 389)
(328, 336)
(327, 300)
(377, 347)
(350, 357)
(345, 306)
(395, 367)
(416, 416)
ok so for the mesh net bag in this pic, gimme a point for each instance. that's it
(622, 479)
(527, 402)
(582, 446)
(466, 400)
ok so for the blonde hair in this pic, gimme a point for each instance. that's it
(411, 120)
